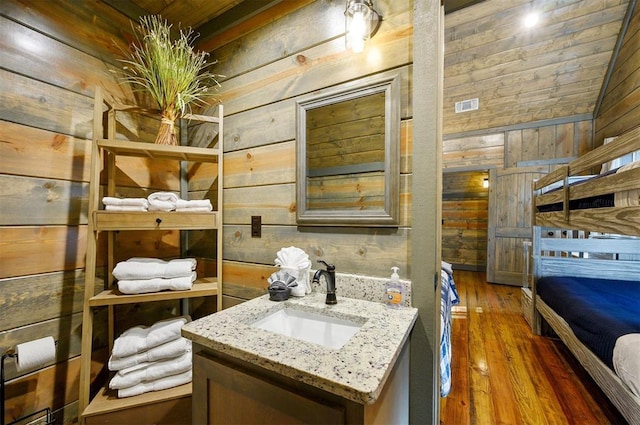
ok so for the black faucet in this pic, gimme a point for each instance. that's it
(330, 277)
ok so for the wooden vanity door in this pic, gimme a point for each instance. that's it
(224, 394)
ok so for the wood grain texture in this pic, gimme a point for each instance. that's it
(502, 373)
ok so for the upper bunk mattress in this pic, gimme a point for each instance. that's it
(599, 311)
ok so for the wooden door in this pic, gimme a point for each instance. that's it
(509, 222)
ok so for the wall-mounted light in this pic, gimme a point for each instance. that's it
(485, 183)
(361, 23)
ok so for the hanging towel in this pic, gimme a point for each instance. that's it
(150, 268)
(157, 385)
(120, 202)
(145, 286)
(162, 201)
(150, 371)
(142, 338)
(167, 350)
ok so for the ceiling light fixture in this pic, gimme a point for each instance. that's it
(361, 23)
(531, 20)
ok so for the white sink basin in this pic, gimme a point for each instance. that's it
(319, 329)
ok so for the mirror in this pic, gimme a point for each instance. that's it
(348, 154)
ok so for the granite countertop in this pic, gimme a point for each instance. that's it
(357, 371)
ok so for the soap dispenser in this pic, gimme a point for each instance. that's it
(394, 291)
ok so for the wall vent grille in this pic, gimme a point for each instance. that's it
(467, 105)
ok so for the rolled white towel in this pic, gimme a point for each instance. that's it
(150, 371)
(127, 208)
(167, 350)
(150, 268)
(142, 338)
(157, 385)
(132, 202)
(162, 201)
(145, 286)
(196, 203)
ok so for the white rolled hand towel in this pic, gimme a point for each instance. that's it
(150, 268)
(142, 338)
(167, 350)
(150, 371)
(162, 201)
(157, 385)
(196, 203)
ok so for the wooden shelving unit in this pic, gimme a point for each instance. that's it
(104, 151)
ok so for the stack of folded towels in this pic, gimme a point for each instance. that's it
(158, 201)
(151, 358)
(140, 275)
(125, 204)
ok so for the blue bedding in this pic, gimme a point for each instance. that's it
(598, 311)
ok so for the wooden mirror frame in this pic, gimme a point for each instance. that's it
(389, 84)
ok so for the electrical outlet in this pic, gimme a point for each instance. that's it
(256, 226)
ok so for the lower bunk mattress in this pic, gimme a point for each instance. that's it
(604, 314)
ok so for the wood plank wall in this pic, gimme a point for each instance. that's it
(53, 54)
(620, 108)
(267, 71)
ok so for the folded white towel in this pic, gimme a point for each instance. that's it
(141, 338)
(124, 208)
(194, 209)
(151, 371)
(170, 349)
(162, 201)
(157, 385)
(151, 268)
(133, 202)
(145, 286)
(196, 203)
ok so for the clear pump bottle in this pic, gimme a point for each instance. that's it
(394, 291)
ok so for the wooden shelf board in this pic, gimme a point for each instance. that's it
(156, 151)
(154, 220)
(202, 287)
(107, 401)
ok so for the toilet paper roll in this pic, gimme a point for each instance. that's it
(35, 353)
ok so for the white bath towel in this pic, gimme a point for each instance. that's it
(127, 208)
(195, 209)
(151, 371)
(132, 202)
(146, 286)
(150, 268)
(142, 338)
(196, 203)
(157, 385)
(162, 201)
(170, 349)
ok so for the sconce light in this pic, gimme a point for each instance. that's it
(485, 183)
(361, 23)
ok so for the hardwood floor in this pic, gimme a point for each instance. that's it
(503, 374)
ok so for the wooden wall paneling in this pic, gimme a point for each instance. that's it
(20, 44)
(264, 125)
(153, 174)
(65, 330)
(620, 107)
(31, 201)
(275, 203)
(360, 251)
(40, 249)
(29, 151)
(262, 165)
(486, 151)
(153, 243)
(91, 27)
(55, 386)
(246, 280)
(50, 295)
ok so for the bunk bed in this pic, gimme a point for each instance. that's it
(586, 276)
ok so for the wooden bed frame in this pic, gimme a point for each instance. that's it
(569, 252)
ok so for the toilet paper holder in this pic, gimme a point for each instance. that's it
(11, 353)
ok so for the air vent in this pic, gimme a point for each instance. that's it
(467, 105)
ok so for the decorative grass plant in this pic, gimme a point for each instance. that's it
(169, 70)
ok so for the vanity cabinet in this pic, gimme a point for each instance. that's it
(231, 391)
(172, 405)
